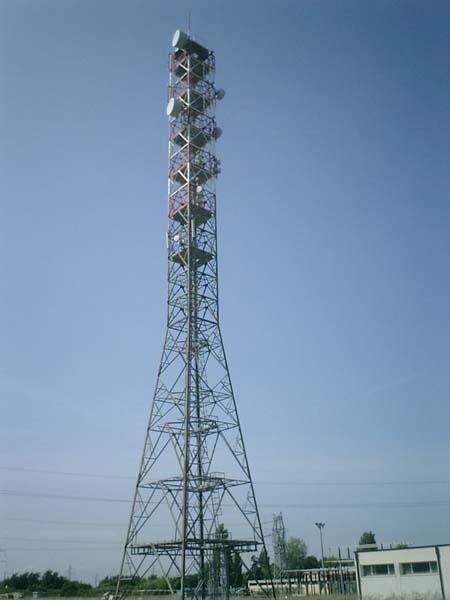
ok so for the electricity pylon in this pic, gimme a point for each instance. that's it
(279, 546)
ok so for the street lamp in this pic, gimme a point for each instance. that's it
(321, 526)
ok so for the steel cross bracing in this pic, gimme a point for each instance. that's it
(194, 506)
(279, 547)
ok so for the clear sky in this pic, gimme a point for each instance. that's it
(334, 246)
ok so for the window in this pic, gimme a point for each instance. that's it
(405, 568)
(417, 568)
(387, 569)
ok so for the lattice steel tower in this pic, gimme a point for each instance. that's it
(194, 513)
(279, 546)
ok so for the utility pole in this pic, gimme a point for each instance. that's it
(320, 527)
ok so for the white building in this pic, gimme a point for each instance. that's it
(419, 571)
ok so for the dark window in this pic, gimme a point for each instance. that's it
(421, 567)
(385, 569)
(405, 568)
(418, 567)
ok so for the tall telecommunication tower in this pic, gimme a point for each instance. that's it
(194, 514)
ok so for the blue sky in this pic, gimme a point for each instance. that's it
(333, 212)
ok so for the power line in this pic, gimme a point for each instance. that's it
(82, 523)
(59, 540)
(62, 497)
(356, 483)
(69, 473)
(394, 504)
(392, 482)
(28, 549)
(57, 522)
(388, 504)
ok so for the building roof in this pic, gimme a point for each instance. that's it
(407, 548)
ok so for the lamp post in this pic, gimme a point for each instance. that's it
(321, 526)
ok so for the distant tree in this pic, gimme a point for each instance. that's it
(260, 567)
(153, 582)
(221, 557)
(296, 551)
(70, 588)
(235, 570)
(190, 581)
(22, 582)
(225, 558)
(50, 580)
(401, 546)
(108, 583)
(368, 537)
(310, 562)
